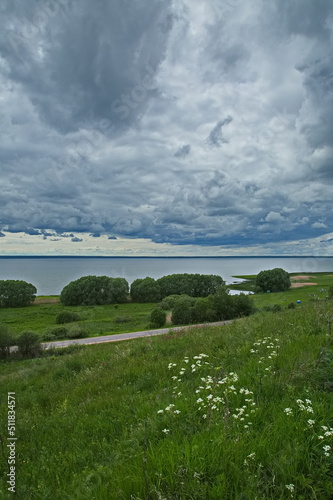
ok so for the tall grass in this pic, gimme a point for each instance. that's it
(242, 411)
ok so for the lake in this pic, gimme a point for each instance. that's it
(51, 274)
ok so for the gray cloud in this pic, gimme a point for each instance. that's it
(183, 151)
(98, 99)
(215, 137)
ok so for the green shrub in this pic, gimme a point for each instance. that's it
(6, 340)
(244, 305)
(182, 313)
(272, 308)
(58, 332)
(203, 311)
(157, 318)
(48, 336)
(123, 319)
(28, 344)
(291, 305)
(77, 332)
(67, 317)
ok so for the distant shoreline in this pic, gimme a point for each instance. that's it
(165, 257)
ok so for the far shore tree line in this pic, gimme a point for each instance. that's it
(102, 290)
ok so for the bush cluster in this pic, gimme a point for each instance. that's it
(94, 290)
(194, 285)
(67, 317)
(216, 307)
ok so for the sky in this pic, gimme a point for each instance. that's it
(159, 127)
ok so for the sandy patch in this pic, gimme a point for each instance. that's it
(52, 300)
(298, 285)
(301, 277)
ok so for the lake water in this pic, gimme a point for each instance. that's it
(51, 274)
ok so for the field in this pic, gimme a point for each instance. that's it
(130, 317)
(99, 320)
(234, 412)
(304, 293)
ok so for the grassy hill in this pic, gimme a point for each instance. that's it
(234, 412)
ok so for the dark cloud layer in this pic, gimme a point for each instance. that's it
(182, 122)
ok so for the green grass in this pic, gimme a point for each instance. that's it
(305, 294)
(88, 425)
(99, 320)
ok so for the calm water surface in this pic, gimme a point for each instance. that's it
(51, 274)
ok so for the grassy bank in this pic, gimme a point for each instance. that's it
(252, 414)
(98, 320)
(304, 293)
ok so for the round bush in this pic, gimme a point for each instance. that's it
(77, 332)
(59, 332)
(67, 317)
(157, 318)
(291, 305)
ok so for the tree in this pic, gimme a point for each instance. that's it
(16, 293)
(202, 310)
(195, 285)
(223, 305)
(157, 318)
(145, 290)
(182, 313)
(94, 290)
(243, 305)
(273, 280)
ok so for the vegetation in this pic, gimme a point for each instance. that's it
(217, 307)
(194, 285)
(67, 317)
(16, 293)
(273, 280)
(330, 292)
(145, 290)
(94, 290)
(157, 318)
(6, 340)
(239, 411)
(28, 344)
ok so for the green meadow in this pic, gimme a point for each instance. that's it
(131, 317)
(304, 293)
(242, 411)
(98, 320)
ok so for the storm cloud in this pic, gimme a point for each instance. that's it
(179, 122)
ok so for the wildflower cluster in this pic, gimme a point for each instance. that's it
(215, 394)
(291, 487)
(305, 406)
(328, 433)
(267, 348)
